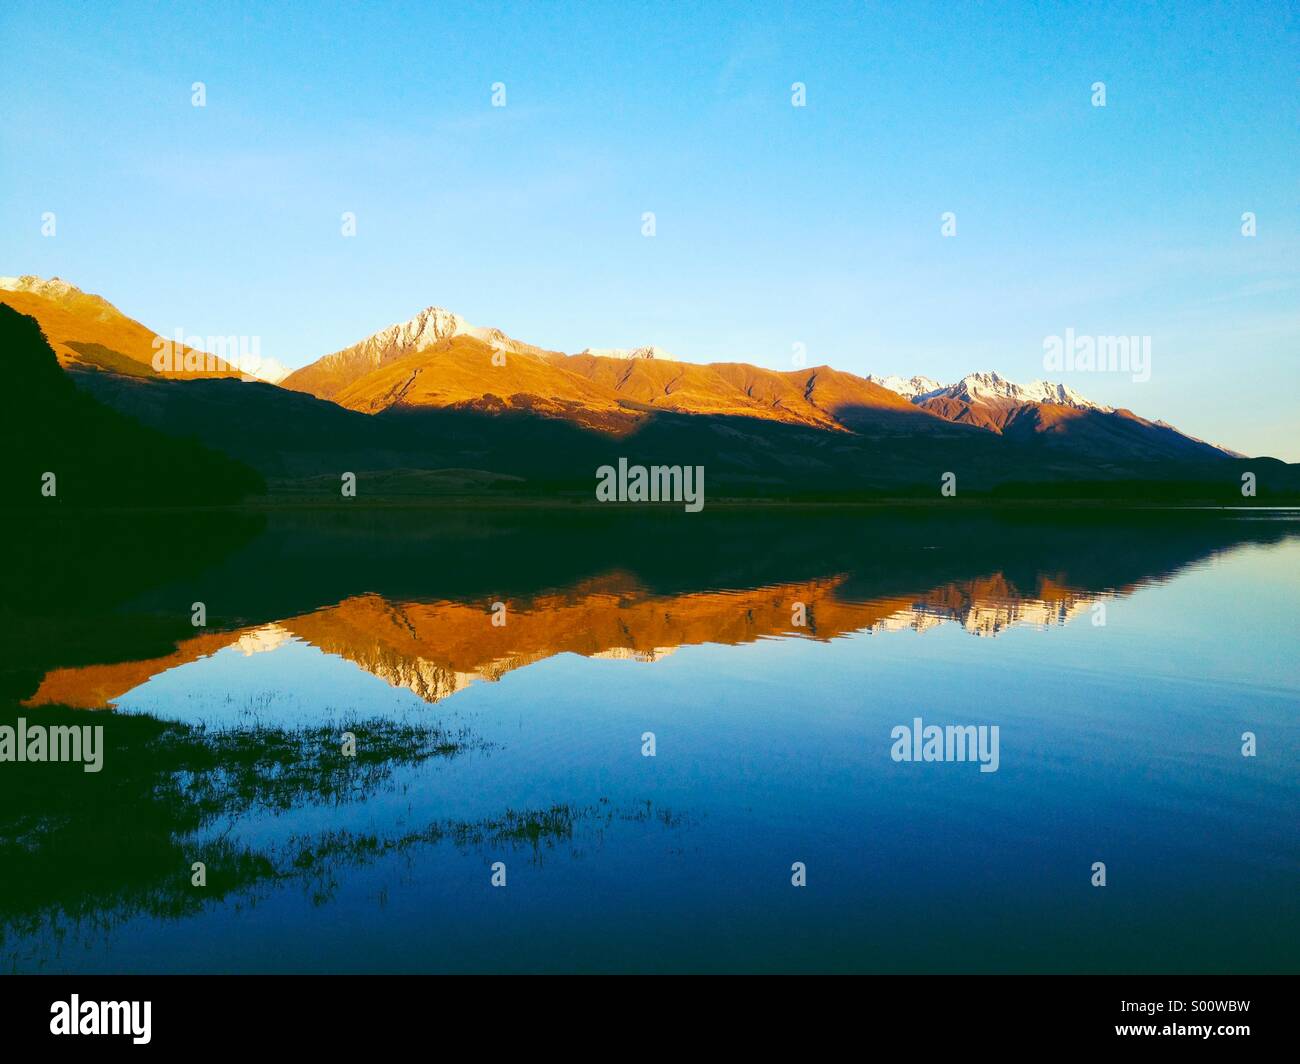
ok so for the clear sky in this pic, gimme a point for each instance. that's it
(775, 225)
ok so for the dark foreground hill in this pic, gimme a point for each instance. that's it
(61, 446)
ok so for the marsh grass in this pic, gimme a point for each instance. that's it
(85, 852)
(123, 840)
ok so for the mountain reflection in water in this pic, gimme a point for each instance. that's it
(874, 573)
(436, 649)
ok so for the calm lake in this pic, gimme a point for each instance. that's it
(642, 725)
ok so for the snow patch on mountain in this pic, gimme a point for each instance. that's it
(909, 388)
(628, 353)
(263, 369)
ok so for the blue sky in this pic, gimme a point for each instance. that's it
(775, 225)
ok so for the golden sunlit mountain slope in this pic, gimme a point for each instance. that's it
(327, 377)
(865, 406)
(439, 360)
(463, 371)
(820, 397)
(87, 330)
(689, 388)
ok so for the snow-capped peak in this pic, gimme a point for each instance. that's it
(629, 352)
(426, 328)
(983, 386)
(29, 282)
(56, 288)
(976, 387)
(987, 387)
(910, 388)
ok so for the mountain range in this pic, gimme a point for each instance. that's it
(438, 359)
(436, 393)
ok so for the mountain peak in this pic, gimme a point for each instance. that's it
(988, 386)
(975, 387)
(425, 329)
(56, 289)
(328, 376)
(29, 282)
(428, 327)
(909, 388)
(650, 351)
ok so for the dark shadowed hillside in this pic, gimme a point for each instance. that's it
(97, 455)
(302, 443)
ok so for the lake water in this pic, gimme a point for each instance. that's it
(770, 658)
